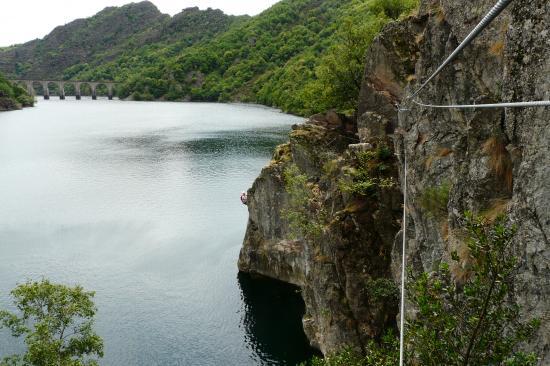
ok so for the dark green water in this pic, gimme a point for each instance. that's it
(140, 203)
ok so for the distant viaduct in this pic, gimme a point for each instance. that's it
(29, 84)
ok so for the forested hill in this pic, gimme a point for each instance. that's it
(87, 43)
(303, 56)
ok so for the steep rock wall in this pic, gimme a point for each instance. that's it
(341, 268)
(488, 161)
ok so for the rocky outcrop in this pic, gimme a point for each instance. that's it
(343, 269)
(487, 161)
(12, 96)
(8, 104)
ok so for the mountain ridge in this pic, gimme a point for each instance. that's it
(101, 38)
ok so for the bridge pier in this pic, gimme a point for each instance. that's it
(61, 90)
(46, 90)
(30, 88)
(94, 94)
(110, 89)
(77, 91)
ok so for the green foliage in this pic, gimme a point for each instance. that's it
(305, 215)
(57, 323)
(382, 289)
(460, 324)
(435, 199)
(370, 172)
(384, 353)
(339, 74)
(13, 96)
(394, 8)
(304, 56)
(473, 323)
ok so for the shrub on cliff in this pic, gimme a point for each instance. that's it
(305, 215)
(370, 172)
(384, 353)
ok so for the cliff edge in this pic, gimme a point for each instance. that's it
(338, 236)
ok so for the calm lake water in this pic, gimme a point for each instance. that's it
(140, 203)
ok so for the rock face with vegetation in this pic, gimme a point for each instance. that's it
(13, 96)
(486, 161)
(325, 214)
(315, 223)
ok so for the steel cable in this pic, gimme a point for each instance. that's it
(487, 19)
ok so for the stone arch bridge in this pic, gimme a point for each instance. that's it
(29, 84)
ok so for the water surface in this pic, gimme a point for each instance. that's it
(140, 203)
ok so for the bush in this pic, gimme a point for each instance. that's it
(15, 94)
(394, 8)
(434, 200)
(384, 353)
(305, 214)
(371, 172)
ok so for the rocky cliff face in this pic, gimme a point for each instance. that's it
(487, 161)
(338, 249)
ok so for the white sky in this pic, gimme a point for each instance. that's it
(25, 20)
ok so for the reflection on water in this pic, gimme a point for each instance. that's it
(139, 202)
(258, 142)
(272, 320)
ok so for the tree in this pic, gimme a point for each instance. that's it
(340, 72)
(57, 323)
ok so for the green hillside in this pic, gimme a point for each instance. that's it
(303, 56)
(13, 96)
(104, 37)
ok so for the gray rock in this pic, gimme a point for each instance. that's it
(491, 160)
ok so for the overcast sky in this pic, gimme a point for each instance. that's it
(25, 20)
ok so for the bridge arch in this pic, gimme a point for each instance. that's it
(69, 88)
(84, 89)
(36, 87)
(54, 88)
(104, 88)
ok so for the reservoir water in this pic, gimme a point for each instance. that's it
(139, 202)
